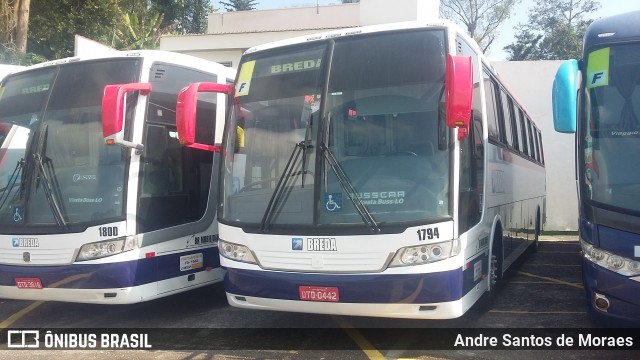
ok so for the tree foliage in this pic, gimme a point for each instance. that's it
(239, 5)
(54, 23)
(123, 24)
(14, 25)
(140, 29)
(190, 16)
(481, 18)
(554, 31)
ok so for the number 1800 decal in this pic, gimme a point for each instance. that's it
(108, 231)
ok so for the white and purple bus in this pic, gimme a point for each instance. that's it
(376, 171)
(99, 202)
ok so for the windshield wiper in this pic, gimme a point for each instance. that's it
(347, 185)
(13, 179)
(300, 147)
(51, 187)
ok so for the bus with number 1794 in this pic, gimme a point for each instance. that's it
(377, 171)
(99, 202)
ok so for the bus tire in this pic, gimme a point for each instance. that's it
(495, 271)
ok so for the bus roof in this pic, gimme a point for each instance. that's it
(353, 31)
(151, 55)
(613, 29)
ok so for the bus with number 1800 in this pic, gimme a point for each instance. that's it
(99, 202)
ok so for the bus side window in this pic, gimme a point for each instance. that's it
(532, 145)
(541, 147)
(491, 102)
(506, 118)
(517, 116)
(523, 132)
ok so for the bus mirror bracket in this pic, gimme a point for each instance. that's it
(459, 93)
(113, 105)
(186, 112)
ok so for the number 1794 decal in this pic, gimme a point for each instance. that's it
(428, 234)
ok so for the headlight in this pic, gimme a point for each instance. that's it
(236, 252)
(607, 260)
(102, 249)
(425, 254)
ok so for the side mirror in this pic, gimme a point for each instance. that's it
(113, 104)
(459, 93)
(186, 109)
(565, 97)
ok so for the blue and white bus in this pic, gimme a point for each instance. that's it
(376, 171)
(605, 115)
(99, 202)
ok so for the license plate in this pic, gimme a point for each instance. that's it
(319, 293)
(28, 283)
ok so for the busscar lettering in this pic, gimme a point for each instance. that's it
(296, 66)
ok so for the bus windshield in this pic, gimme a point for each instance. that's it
(59, 172)
(343, 132)
(612, 130)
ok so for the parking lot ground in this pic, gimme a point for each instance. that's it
(541, 291)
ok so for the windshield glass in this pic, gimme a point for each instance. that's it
(56, 169)
(367, 153)
(611, 136)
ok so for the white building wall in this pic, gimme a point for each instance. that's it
(229, 34)
(321, 17)
(373, 12)
(531, 83)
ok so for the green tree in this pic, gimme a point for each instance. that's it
(14, 25)
(554, 30)
(525, 47)
(53, 24)
(189, 15)
(140, 29)
(481, 18)
(239, 5)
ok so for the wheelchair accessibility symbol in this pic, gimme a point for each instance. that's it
(17, 214)
(333, 202)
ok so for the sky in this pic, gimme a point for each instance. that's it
(506, 30)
